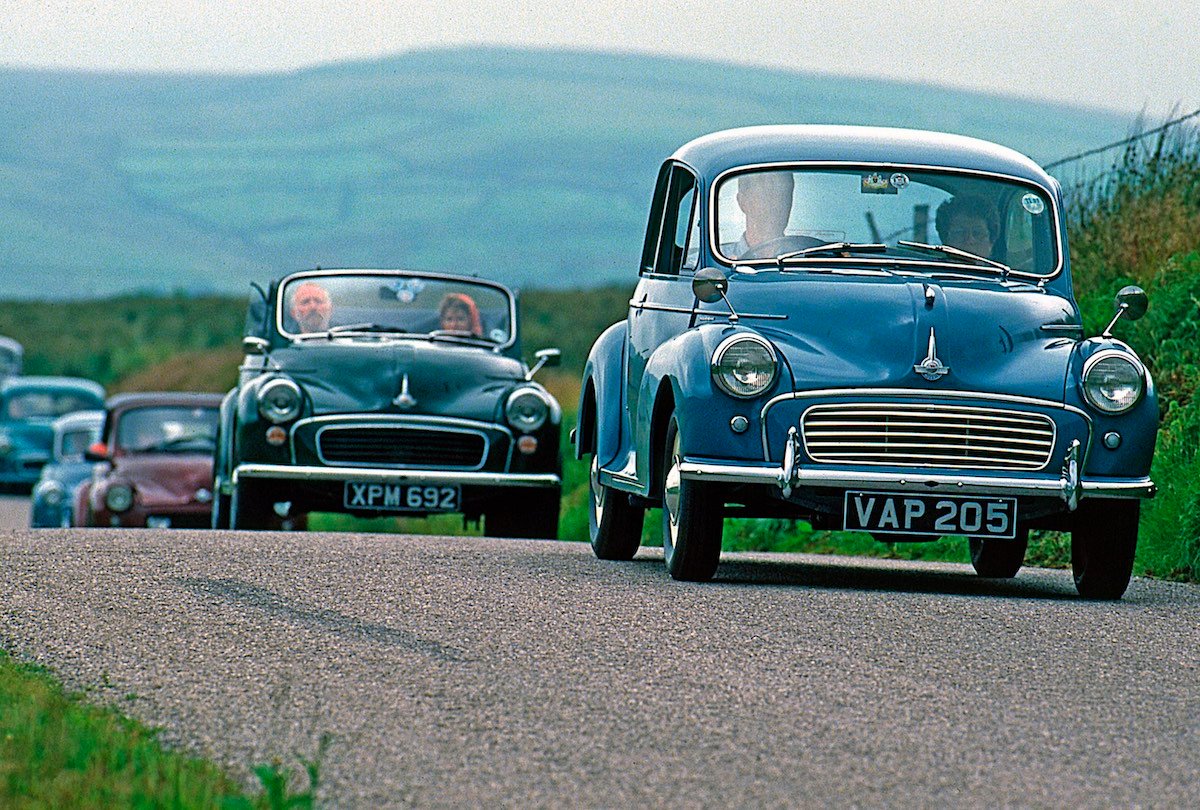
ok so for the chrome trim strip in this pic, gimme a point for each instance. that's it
(697, 311)
(915, 392)
(487, 445)
(1062, 327)
(731, 473)
(715, 246)
(492, 479)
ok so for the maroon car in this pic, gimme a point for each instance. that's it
(159, 453)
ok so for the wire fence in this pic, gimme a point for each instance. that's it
(1174, 122)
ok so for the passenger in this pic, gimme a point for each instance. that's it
(968, 223)
(458, 313)
(310, 307)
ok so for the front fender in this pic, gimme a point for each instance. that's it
(1137, 427)
(601, 410)
(681, 369)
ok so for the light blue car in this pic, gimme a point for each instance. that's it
(28, 408)
(53, 499)
(874, 330)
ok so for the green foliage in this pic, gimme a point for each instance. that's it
(109, 340)
(56, 751)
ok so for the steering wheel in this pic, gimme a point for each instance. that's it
(780, 244)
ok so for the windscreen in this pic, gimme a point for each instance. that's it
(763, 214)
(167, 429)
(372, 304)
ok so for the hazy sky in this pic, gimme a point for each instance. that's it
(1126, 56)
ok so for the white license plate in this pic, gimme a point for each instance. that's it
(401, 497)
(934, 515)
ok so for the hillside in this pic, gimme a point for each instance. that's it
(533, 167)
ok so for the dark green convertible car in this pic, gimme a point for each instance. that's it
(388, 392)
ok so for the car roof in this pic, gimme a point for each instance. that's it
(78, 419)
(143, 399)
(715, 153)
(51, 382)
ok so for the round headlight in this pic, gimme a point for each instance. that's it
(279, 400)
(526, 409)
(50, 492)
(118, 498)
(1113, 381)
(744, 365)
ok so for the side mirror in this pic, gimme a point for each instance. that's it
(1132, 303)
(96, 452)
(255, 345)
(545, 357)
(709, 285)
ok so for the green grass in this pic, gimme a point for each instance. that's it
(58, 751)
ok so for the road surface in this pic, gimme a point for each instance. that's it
(470, 671)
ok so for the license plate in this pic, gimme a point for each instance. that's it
(401, 497)
(936, 515)
(158, 522)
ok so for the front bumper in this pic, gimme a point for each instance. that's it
(1070, 486)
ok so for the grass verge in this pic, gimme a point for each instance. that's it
(58, 751)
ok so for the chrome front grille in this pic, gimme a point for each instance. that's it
(395, 446)
(915, 435)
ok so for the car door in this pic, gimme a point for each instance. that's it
(662, 304)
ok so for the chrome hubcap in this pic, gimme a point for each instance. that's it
(671, 491)
(597, 491)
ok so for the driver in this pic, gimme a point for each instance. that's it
(766, 200)
(311, 307)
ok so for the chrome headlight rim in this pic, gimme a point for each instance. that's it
(522, 424)
(50, 492)
(118, 497)
(718, 374)
(1102, 404)
(268, 407)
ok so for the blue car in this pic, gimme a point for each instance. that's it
(52, 503)
(873, 330)
(28, 408)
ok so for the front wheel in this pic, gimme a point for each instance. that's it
(692, 518)
(999, 559)
(614, 524)
(1103, 542)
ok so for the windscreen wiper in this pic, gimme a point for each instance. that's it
(832, 247)
(960, 253)
(353, 327)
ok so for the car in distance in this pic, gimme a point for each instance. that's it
(53, 500)
(874, 330)
(389, 392)
(12, 357)
(155, 462)
(28, 408)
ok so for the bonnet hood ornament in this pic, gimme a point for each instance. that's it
(931, 368)
(404, 399)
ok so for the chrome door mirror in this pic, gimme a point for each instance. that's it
(709, 284)
(255, 345)
(545, 357)
(1132, 303)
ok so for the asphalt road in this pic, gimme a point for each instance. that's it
(468, 671)
(14, 511)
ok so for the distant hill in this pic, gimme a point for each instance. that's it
(533, 167)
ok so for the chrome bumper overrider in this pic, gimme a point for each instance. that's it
(467, 478)
(1069, 486)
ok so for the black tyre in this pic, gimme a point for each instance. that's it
(1103, 542)
(999, 559)
(692, 518)
(254, 510)
(614, 524)
(532, 514)
(220, 511)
